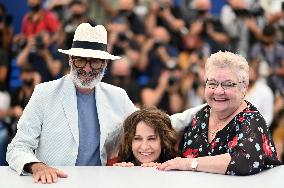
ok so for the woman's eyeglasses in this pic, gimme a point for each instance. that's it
(213, 84)
(80, 62)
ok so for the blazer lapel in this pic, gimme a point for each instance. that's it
(69, 102)
(102, 109)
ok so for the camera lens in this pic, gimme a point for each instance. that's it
(122, 37)
(39, 42)
(172, 80)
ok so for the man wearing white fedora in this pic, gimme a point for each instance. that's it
(75, 120)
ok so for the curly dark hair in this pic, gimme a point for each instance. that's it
(157, 120)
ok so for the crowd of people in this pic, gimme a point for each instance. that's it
(164, 46)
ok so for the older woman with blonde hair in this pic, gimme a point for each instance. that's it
(229, 135)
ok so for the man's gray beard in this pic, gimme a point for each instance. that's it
(91, 84)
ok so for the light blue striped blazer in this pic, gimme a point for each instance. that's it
(49, 124)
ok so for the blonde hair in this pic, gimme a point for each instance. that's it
(226, 59)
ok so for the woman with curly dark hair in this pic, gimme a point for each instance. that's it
(148, 138)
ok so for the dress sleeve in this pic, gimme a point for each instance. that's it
(252, 150)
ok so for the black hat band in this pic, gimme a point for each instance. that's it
(89, 45)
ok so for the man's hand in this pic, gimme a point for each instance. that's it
(45, 174)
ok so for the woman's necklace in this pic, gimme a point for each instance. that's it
(219, 125)
(214, 132)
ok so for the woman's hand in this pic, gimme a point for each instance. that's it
(177, 163)
(151, 164)
(124, 164)
(129, 164)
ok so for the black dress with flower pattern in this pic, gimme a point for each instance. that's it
(246, 138)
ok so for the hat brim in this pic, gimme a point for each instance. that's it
(81, 52)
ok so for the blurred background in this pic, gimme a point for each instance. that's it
(164, 45)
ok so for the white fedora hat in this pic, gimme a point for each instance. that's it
(91, 42)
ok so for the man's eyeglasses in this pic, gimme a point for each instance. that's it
(213, 84)
(80, 62)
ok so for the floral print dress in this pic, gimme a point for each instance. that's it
(246, 138)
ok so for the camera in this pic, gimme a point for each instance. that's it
(172, 80)
(19, 45)
(158, 44)
(252, 12)
(28, 82)
(125, 13)
(39, 42)
(242, 12)
(122, 37)
(161, 7)
(194, 69)
(22, 44)
(77, 16)
(207, 22)
(172, 66)
(195, 84)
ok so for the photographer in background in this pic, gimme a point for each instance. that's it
(165, 93)
(125, 9)
(5, 101)
(193, 80)
(275, 16)
(259, 93)
(120, 35)
(243, 22)
(41, 54)
(78, 11)
(159, 64)
(58, 7)
(21, 95)
(6, 34)
(11, 110)
(120, 75)
(157, 54)
(163, 13)
(271, 53)
(6, 30)
(206, 27)
(38, 20)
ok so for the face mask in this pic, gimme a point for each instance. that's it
(191, 49)
(241, 12)
(201, 12)
(59, 10)
(125, 13)
(28, 82)
(265, 43)
(34, 8)
(77, 16)
(120, 81)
